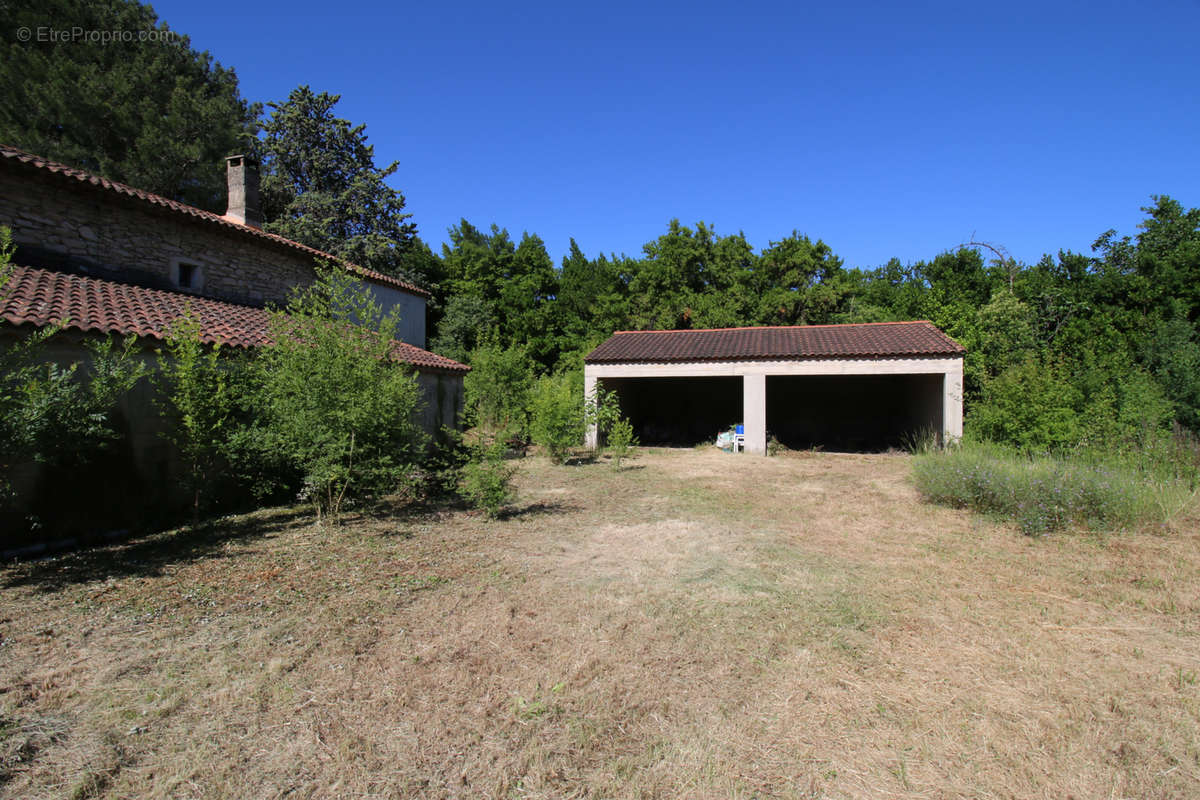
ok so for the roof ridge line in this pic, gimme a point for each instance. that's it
(783, 327)
(108, 184)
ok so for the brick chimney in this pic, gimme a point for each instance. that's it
(242, 174)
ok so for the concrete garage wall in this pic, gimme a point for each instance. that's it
(678, 411)
(853, 412)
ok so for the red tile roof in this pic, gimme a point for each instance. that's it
(74, 177)
(41, 297)
(880, 339)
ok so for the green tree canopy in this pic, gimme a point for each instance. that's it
(493, 282)
(796, 282)
(591, 301)
(320, 186)
(151, 112)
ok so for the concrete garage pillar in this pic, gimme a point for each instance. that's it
(952, 404)
(591, 438)
(754, 413)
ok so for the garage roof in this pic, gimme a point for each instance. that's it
(872, 340)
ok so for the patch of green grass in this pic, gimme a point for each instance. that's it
(534, 707)
(1048, 493)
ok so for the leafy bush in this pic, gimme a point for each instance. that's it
(1046, 493)
(1126, 411)
(195, 391)
(621, 441)
(603, 409)
(330, 398)
(1031, 405)
(1006, 332)
(557, 423)
(487, 479)
(64, 417)
(7, 248)
(1104, 403)
(497, 389)
(59, 415)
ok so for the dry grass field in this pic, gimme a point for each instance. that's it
(697, 625)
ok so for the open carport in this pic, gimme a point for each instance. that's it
(853, 387)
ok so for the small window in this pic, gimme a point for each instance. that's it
(187, 276)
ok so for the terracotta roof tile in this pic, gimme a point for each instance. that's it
(12, 156)
(882, 339)
(41, 297)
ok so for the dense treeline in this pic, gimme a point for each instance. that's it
(1073, 348)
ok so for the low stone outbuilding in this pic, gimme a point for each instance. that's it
(857, 387)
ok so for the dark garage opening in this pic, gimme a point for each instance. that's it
(678, 412)
(855, 413)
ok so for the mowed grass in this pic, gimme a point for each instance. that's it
(695, 625)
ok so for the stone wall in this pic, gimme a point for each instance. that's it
(110, 236)
(84, 229)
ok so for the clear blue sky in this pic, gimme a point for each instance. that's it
(884, 129)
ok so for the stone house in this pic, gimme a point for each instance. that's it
(116, 260)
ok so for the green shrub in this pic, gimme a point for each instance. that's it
(7, 248)
(66, 418)
(443, 464)
(1101, 402)
(63, 416)
(557, 421)
(497, 389)
(195, 392)
(59, 415)
(487, 479)
(1126, 411)
(621, 441)
(1032, 406)
(1046, 493)
(329, 398)
(614, 432)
